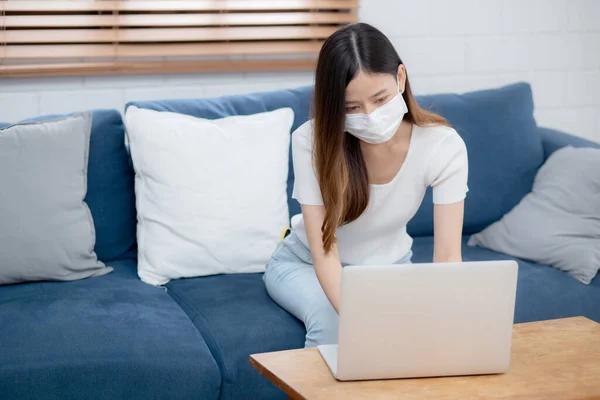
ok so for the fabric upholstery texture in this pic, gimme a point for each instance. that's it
(111, 337)
(237, 318)
(553, 140)
(505, 151)
(111, 193)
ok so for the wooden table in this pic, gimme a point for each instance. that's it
(556, 359)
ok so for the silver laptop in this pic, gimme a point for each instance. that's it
(424, 320)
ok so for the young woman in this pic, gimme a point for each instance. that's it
(362, 166)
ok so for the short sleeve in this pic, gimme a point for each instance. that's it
(449, 170)
(306, 186)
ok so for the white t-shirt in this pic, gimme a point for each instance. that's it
(436, 157)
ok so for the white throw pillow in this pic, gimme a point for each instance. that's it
(211, 194)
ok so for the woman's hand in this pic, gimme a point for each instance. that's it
(447, 233)
(327, 266)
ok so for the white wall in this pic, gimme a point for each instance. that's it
(22, 98)
(463, 45)
(448, 46)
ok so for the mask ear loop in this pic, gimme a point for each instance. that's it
(400, 92)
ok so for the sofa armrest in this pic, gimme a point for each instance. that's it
(553, 140)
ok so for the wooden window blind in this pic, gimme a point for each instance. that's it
(78, 37)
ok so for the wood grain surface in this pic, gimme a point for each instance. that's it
(556, 359)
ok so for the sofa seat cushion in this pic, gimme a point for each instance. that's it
(543, 292)
(237, 318)
(111, 337)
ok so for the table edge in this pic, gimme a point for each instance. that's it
(274, 379)
(293, 394)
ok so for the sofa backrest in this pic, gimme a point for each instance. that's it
(504, 148)
(497, 126)
(110, 192)
(297, 99)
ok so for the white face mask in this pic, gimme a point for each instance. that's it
(381, 125)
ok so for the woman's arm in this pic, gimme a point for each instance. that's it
(328, 267)
(447, 232)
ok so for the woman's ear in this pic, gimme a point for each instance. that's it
(402, 77)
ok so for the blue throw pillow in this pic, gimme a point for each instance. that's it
(297, 99)
(110, 192)
(505, 152)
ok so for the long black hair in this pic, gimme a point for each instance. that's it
(340, 165)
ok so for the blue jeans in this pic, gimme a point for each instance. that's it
(291, 282)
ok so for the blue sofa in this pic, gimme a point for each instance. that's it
(116, 337)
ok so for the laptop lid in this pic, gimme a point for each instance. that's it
(421, 320)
